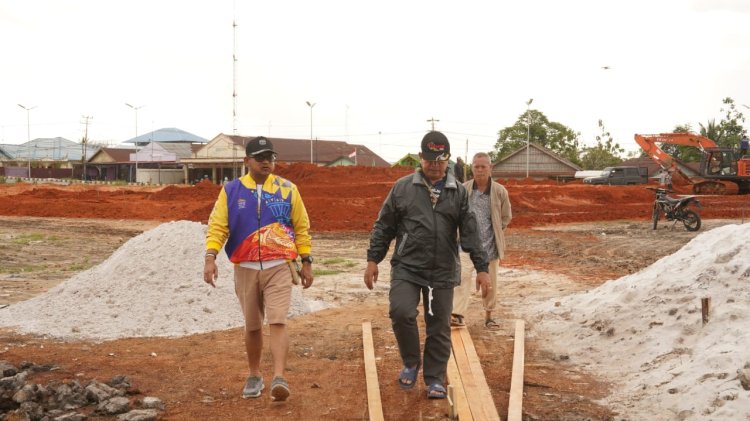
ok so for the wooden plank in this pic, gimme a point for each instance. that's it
(467, 379)
(486, 409)
(459, 401)
(375, 407)
(516, 381)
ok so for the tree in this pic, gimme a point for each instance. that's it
(606, 153)
(731, 124)
(552, 135)
(683, 153)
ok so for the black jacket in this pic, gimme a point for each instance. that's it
(426, 239)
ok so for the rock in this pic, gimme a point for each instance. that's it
(139, 415)
(99, 392)
(114, 406)
(744, 376)
(7, 369)
(151, 402)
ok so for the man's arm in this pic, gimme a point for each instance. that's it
(216, 236)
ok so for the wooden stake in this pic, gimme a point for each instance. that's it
(705, 309)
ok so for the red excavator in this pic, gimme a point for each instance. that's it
(721, 171)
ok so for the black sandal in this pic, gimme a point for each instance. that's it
(408, 377)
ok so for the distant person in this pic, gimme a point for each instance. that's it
(264, 224)
(665, 179)
(743, 145)
(424, 212)
(458, 170)
(490, 203)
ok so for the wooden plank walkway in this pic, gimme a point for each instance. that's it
(516, 380)
(470, 375)
(374, 405)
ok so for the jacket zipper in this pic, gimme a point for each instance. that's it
(259, 193)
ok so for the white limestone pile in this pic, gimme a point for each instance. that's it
(151, 286)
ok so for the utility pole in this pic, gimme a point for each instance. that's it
(84, 141)
(433, 121)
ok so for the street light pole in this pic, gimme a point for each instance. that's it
(528, 133)
(135, 139)
(311, 105)
(28, 135)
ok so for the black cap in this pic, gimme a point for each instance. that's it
(258, 145)
(435, 147)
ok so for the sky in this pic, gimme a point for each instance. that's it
(376, 72)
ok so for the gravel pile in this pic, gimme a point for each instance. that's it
(151, 286)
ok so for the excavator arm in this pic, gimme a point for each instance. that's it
(649, 143)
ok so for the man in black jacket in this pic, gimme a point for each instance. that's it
(424, 212)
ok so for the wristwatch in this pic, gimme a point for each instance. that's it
(308, 259)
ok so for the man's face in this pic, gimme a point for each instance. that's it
(261, 165)
(433, 170)
(480, 166)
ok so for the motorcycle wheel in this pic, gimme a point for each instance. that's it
(655, 215)
(692, 221)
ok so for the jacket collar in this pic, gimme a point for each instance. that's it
(450, 181)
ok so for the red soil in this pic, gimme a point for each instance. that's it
(344, 199)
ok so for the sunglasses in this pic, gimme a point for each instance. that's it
(268, 156)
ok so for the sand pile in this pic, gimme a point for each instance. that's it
(151, 286)
(645, 332)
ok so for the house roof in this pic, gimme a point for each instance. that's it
(169, 134)
(111, 155)
(323, 151)
(55, 148)
(544, 151)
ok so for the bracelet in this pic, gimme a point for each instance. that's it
(211, 254)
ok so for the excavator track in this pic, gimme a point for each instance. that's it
(715, 187)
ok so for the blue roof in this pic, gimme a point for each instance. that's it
(170, 134)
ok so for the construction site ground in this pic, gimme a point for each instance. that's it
(565, 238)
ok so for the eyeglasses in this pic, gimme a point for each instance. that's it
(268, 156)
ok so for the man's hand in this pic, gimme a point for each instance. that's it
(371, 274)
(483, 283)
(210, 271)
(307, 275)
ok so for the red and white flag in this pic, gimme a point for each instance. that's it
(353, 154)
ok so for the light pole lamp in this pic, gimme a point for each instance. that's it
(311, 105)
(135, 139)
(28, 135)
(528, 133)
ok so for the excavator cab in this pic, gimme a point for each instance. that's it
(719, 162)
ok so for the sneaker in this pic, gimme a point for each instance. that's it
(279, 389)
(253, 387)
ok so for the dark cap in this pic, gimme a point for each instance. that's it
(435, 147)
(258, 145)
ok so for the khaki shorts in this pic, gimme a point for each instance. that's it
(263, 293)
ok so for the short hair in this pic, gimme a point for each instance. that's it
(481, 155)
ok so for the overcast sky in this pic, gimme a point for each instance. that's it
(376, 71)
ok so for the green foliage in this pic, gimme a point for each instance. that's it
(683, 153)
(731, 124)
(2, 180)
(535, 126)
(606, 153)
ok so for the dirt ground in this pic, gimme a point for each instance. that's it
(200, 377)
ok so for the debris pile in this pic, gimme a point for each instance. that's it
(151, 286)
(647, 333)
(70, 400)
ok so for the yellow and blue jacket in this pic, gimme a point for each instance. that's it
(258, 229)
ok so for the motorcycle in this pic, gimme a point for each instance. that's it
(676, 209)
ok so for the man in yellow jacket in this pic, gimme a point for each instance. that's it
(489, 201)
(264, 224)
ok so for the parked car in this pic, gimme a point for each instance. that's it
(620, 176)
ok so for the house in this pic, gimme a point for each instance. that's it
(534, 162)
(43, 158)
(222, 157)
(110, 164)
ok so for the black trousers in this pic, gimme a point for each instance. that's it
(404, 298)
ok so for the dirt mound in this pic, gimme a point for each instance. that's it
(343, 199)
